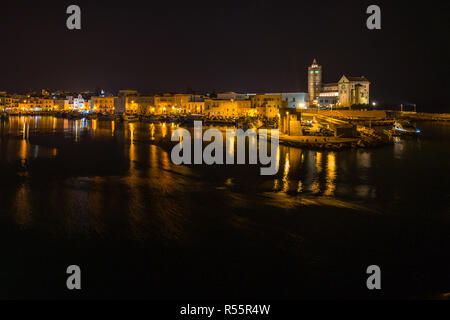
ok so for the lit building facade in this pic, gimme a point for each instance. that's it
(143, 104)
(266, 105)
(178, 103)
(314, 82)
(35, 104)
(126, 102)
(329, 97)
(353, 91)
(294, 100)
(228, 108)
(62, 105)
(78, 103)
(102, 104)
(347, 92)
(9, 102)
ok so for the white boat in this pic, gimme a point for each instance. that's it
(405, 128)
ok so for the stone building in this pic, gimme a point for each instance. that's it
(102, 104)
(353, 90)
(314, 82)
(267, 105)
(125, 102)
(228, 107)
(346, 92)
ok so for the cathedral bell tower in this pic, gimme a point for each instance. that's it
(314, 82)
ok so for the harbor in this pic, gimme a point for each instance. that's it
(104, 189)
(319, 129)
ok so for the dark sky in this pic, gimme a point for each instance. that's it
(246, 46)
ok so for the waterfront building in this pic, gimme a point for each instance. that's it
(266, 105)
(329, 96)
(346, 92)
(143, 105)
(195, 105)
(29, 103)
(47, 104)
(294, 100)
(125, 102)
(102, 104)
(166, 103)
(228, 107)
(353, 91)
(169, 103)
(78, 103)
(9, 102)
(327, 101)
(60, 104)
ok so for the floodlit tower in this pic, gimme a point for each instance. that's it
(314, 81)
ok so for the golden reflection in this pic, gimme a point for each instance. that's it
(94, 124)
(132, 156)
(275, 184)
(170, 214)
(331, 174)
(319, 162)
(230, 145)
(23, 149)
(300, 187)
(113, 126)
(76, 130)
(152, 131)
(131, 126)
(24, 130)
(315, 187)
(295, 156)
(285, 174)
(166, 162)
(54, 123)
(277, 161)
(164, 130)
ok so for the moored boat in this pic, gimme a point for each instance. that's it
(405, 128)
(130, 117)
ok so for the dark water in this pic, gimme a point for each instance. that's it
(96, 194)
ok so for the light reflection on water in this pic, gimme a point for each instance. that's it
(157, 194)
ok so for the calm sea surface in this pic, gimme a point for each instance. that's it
(99, 195)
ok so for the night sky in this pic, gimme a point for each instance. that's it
(245, 46)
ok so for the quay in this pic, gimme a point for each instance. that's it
(305, 128)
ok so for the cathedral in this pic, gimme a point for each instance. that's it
(348, 91)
